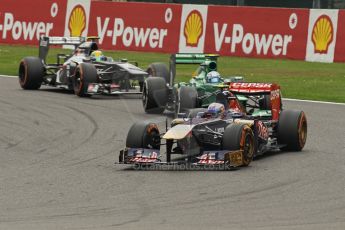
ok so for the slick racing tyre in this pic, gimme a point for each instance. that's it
(292, 130)
(158, 69)
(154, 95)
(85, 73)
(143, 134)
(31, 73)
(186, 99)
(240, 137)
(265, 103)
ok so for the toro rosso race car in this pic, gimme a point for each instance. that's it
(227, 133)
(86, 71)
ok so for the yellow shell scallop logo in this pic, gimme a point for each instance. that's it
(77, 21)
(322, 34)
(193, 28)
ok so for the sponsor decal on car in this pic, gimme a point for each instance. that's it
(275, 94)
(143, 155)
(262, 130)
(210, 158)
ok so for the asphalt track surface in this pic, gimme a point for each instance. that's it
(57, 154)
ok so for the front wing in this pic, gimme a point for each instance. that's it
(223, 158)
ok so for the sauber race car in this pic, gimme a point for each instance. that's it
(227, 133)
(161, 92)
(86, 71)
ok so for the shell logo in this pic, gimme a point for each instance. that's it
(322, 34)
(193, 28)
(77, 21)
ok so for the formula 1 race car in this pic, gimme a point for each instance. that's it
(86, 71)
(224, 134)
(161, 92)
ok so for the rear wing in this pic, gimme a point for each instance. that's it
(45, 42)
(252, 88)
(185, 58)
(247, 88)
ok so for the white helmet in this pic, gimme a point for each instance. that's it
(213, 77)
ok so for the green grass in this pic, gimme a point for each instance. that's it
(298, 79)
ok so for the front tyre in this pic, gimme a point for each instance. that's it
(240, 137)
(31, 73)
(143, 134)
(85, 73)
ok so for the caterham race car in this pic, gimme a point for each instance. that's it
(228, 133)
(86, 71)
(161, 92)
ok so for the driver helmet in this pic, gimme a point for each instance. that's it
(97, 55)
(213, 77)
(216, 109)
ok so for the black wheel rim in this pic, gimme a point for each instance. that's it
(302, 132)
(248, 148)
(77, 82)
(152, 140)
(22, 73)
(150, 72)
(144, 96)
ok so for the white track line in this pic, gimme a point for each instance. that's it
(8, 76)
(311, 101)
(286, 99)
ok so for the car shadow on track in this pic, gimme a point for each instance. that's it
(56, 90)
(93, 97)
(271, 154)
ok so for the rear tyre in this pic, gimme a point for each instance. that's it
(187, 99)
(265, 103)
(31, 73)
(154, 95)
(292, 130)
(85, 73)
(159, 69)
(240, 137)
(143, 134)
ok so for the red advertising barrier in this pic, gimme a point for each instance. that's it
(23, 22)
(136, 26)
(257, 32)
(312, 35)
(339, 55)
